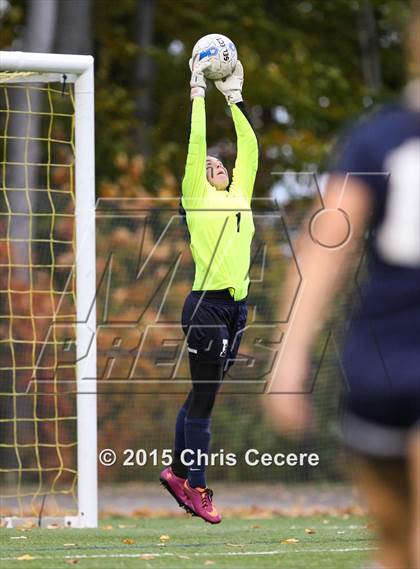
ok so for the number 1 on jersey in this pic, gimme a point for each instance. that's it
(238, 221)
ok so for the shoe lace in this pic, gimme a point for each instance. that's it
(206, 497)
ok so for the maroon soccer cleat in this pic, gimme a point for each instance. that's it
(201, 503)
(175, 486)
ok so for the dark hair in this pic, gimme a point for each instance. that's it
(181, 209)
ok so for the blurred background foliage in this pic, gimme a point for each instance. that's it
(310, 66)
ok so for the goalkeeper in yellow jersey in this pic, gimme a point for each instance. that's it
(219, 219)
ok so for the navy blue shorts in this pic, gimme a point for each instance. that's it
(381, 362)
(213, 323)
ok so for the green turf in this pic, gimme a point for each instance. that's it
(236, 543)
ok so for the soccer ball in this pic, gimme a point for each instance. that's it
(222, 53)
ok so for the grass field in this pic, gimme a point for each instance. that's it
(181, 542)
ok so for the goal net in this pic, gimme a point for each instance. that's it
(47, 290)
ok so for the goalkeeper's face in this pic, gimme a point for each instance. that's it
(217, 174)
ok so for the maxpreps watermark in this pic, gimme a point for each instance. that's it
(252, 457)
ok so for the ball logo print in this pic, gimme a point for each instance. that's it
(212, 51)
(221, 52)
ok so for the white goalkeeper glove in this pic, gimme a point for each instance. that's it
(231, 86)
(198, 81)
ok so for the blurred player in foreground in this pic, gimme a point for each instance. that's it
(221, 228)
(377, 171)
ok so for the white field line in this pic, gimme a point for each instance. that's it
(327, 526)
(198, 554)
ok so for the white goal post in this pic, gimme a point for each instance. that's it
(54, 68)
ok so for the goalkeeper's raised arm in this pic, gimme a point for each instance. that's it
(194, 182)
(246, 164)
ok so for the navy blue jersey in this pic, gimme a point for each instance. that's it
(384, 152)
(382, 352)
